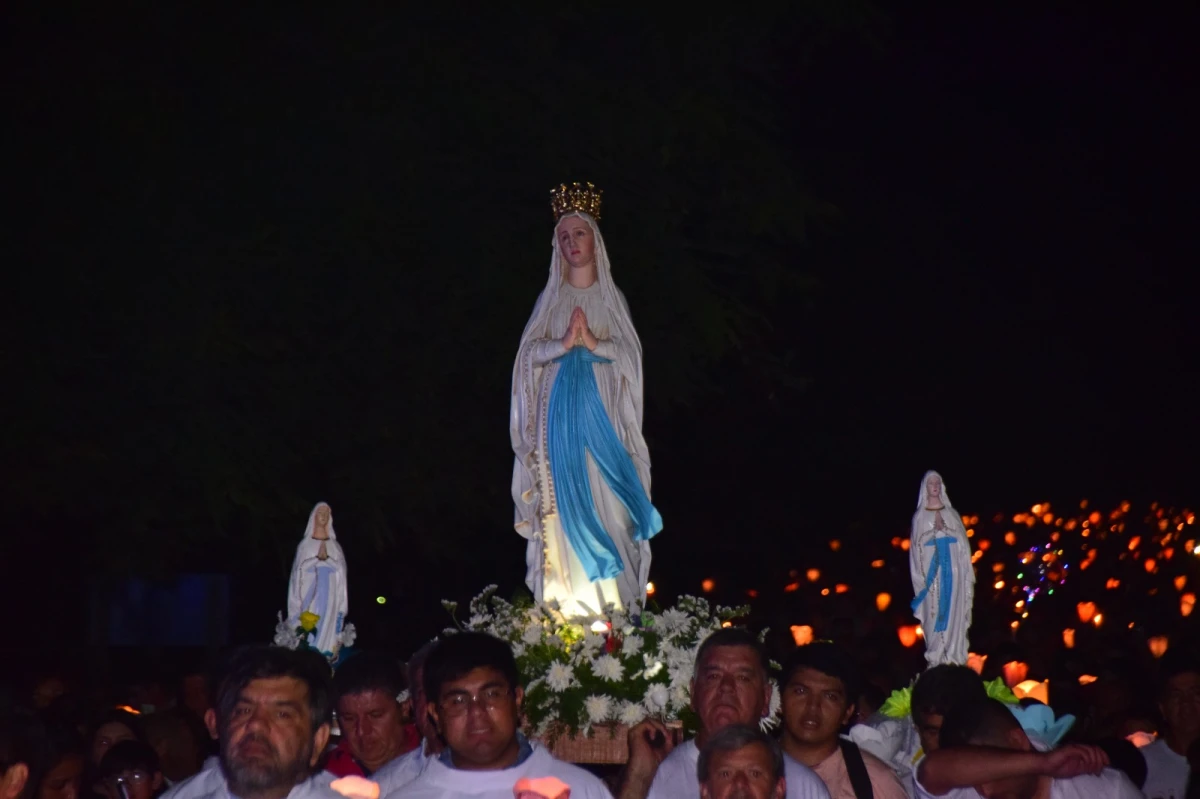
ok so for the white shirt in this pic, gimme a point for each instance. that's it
(315, 787)
(439, 780)
(1108, 784)
(1166, 771)
(207, 780)
(676, 777)
(401, 771)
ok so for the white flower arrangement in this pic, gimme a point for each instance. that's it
(576, 677)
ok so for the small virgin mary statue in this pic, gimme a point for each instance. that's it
(581, 477)
(939, 557)
(318, 583)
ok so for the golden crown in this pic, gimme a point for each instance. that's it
(564, 200)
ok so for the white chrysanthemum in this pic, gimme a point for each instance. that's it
(631, 713)
(632, 645)
(656, 698)
(532, 633)
(599, 708)
(560, 677)
(608, 668)
(680, 698)
(593, 642)
(673, 620)
(653, 667)
(771, 720)
(518, 650)
(477, 621)
(348, 636)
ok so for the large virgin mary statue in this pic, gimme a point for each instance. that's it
(939, 558)
(318, 583)
(581, 479)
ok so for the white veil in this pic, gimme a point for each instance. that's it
(307, 551)
(924, 495)
(523, 410)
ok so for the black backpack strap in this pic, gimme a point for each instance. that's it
(856, 767)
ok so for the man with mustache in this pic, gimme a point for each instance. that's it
(730, 686)
(741, 762)
(273, 711)
(408, 767)
(819, 683)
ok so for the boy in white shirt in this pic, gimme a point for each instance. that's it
(475, 697)
(983, 746)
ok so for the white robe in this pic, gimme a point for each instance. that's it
(553, 570)
(950, 645)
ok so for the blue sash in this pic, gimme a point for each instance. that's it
(578, 425)
(941, 568)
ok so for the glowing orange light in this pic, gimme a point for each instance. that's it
(997, 567)
(650, 589)
(1180, 582)
(985, 544)
(908, 635)
(802, 634)
(129, 709)
(970, 532)
(1037, 510)
(904, 545)
(1098, 620)
(1158, 645)
(1187, 603)
(1168, 553)
(1015, 624)
(708, 585)
(976, 662)
(791, 587)
(1069, 638)
(1020, 604)
(1083, 503)
(883, 601)
(824, 592)
(1151, 565)
(1086, 611)
(1112, 583)
(877, 564)
(813, 575)
(998, 585)
(841, 588)
(1133, 542)
(1087, 679)
(920, 631)
(835, 545)
(896, 541)
(1048, 518)
(726, 624)
(1070, 525)
(1032, 689)
(1010, 538)
(1014, 672)
(1095, 518)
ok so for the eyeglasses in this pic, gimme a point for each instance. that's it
(458, 704)
(127, 778)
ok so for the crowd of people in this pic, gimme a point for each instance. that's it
(271, 723)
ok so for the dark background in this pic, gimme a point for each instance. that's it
(261, 260)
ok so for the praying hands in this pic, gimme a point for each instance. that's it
(578, 332)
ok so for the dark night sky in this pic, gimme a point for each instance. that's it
(1004, 294)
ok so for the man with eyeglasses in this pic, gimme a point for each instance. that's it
(475, 697)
